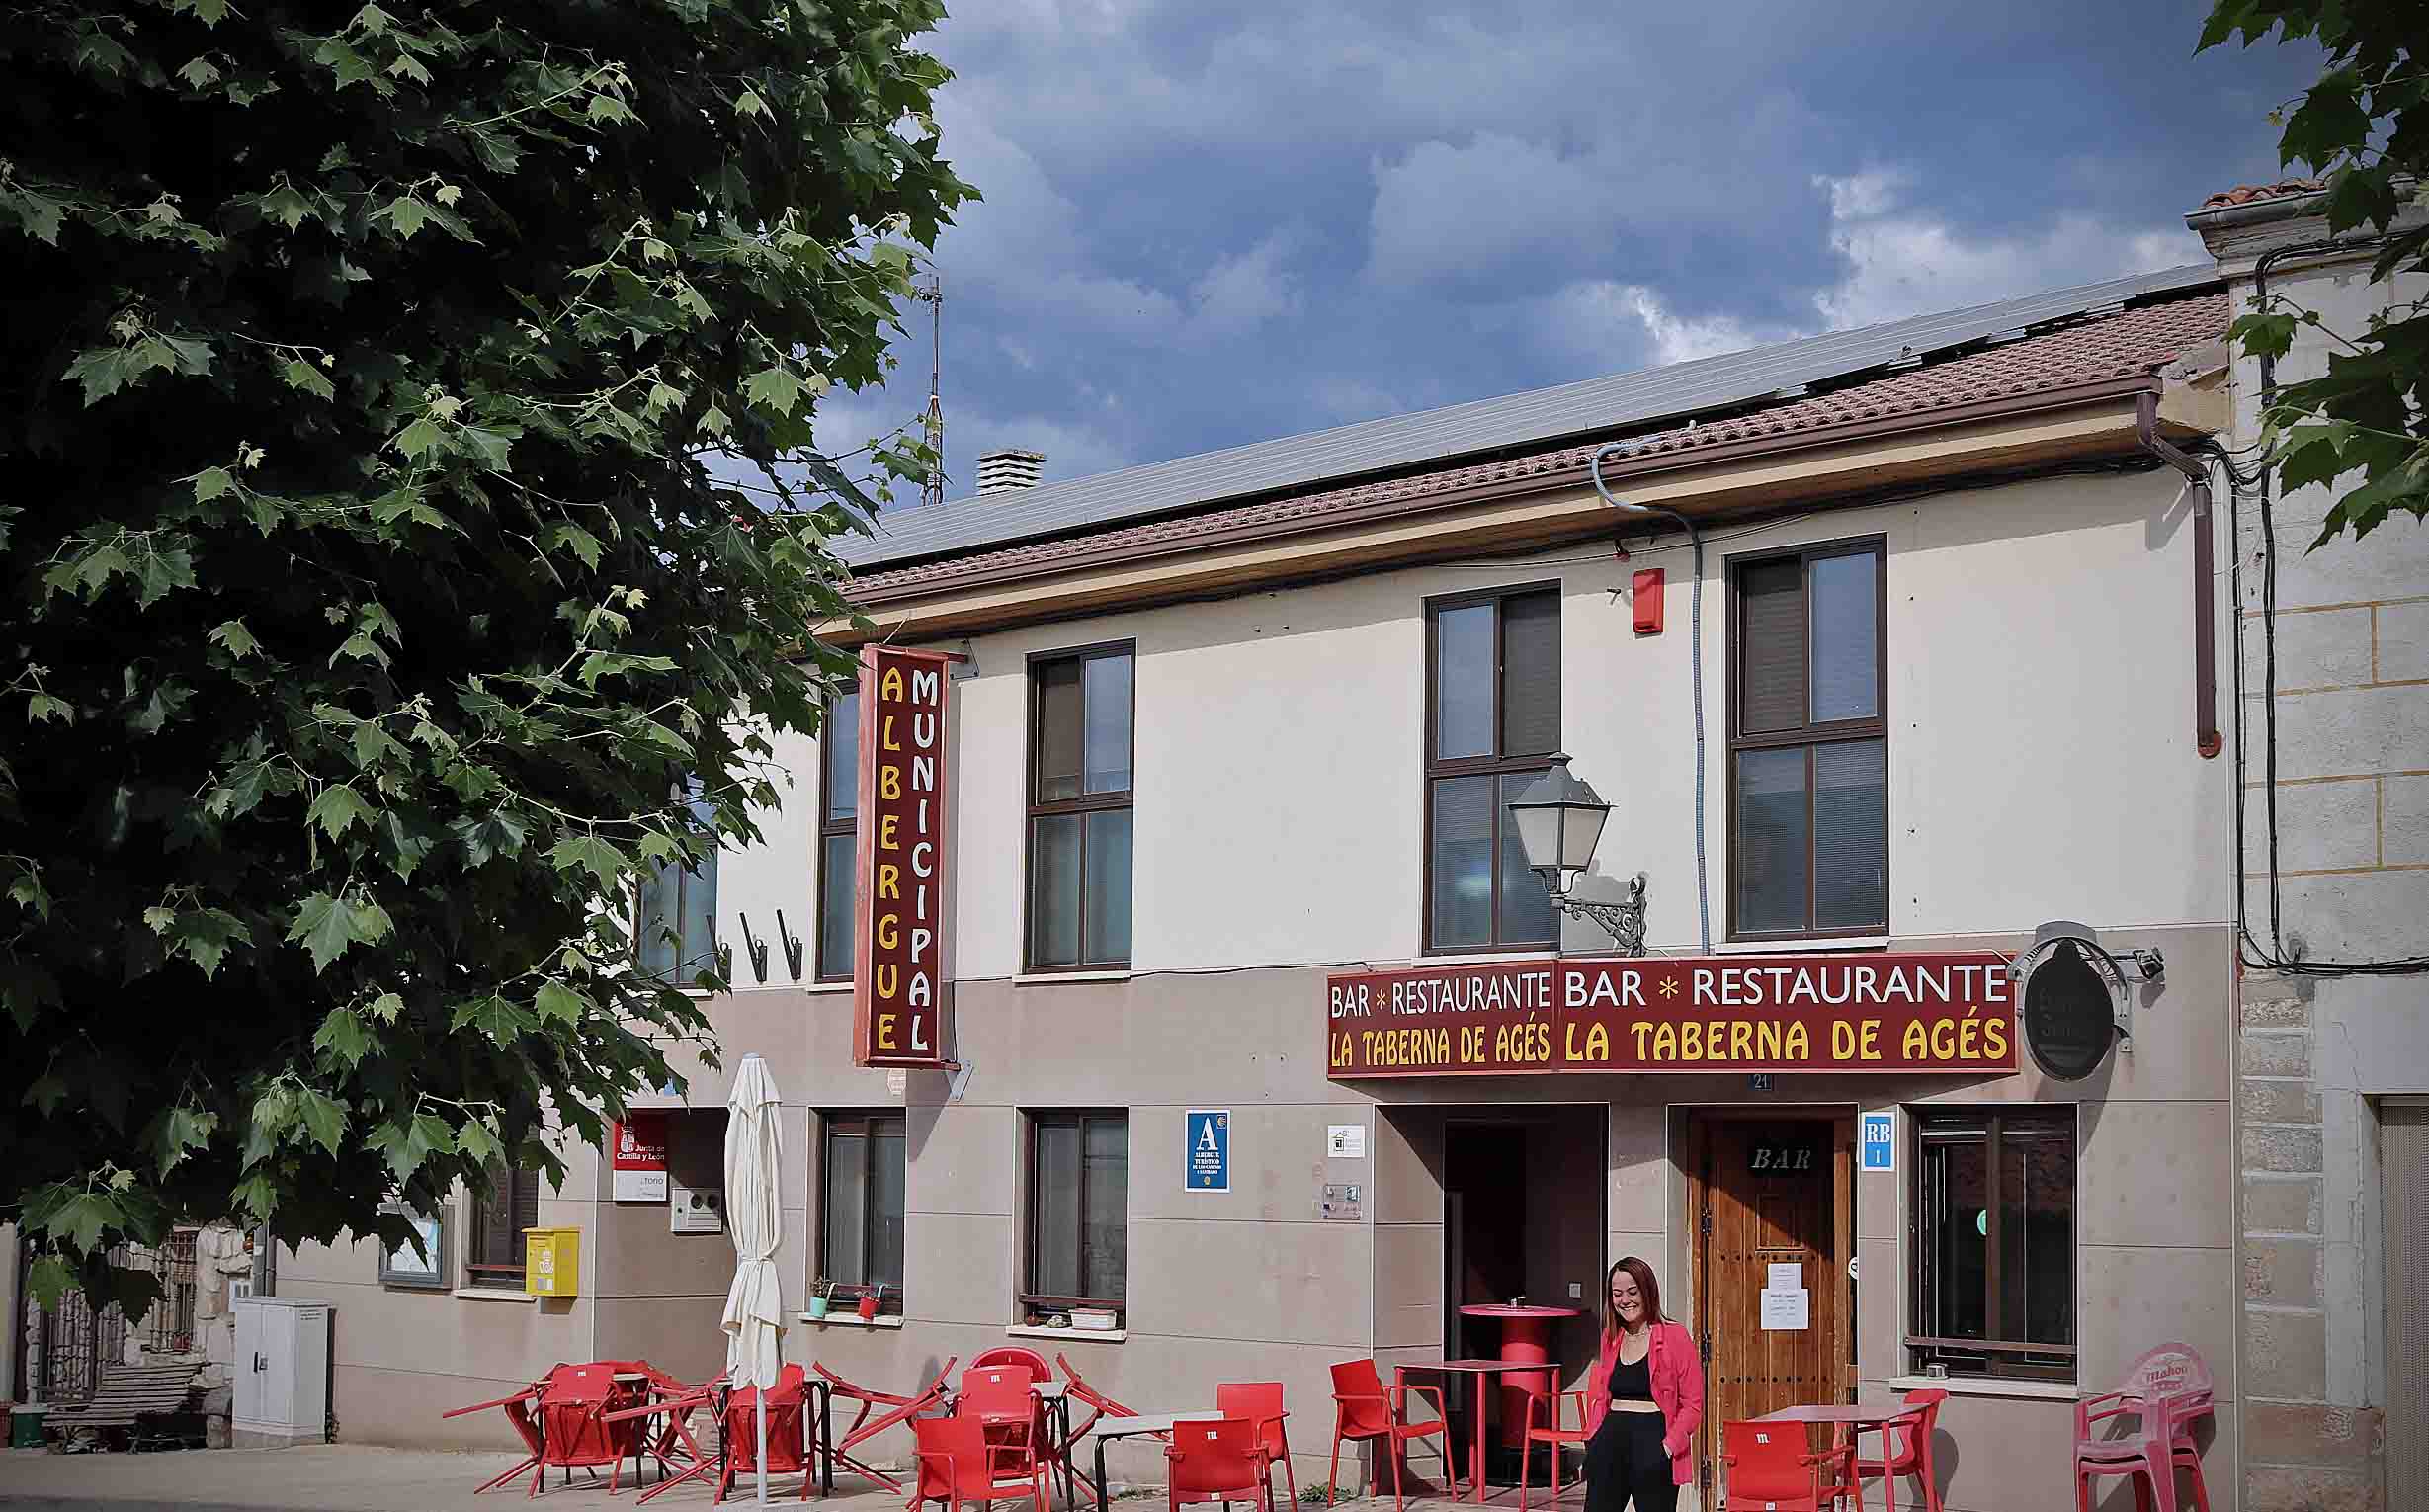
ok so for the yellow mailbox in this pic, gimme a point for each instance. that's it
(551, 1262)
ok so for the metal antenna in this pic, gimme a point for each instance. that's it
(932, 491)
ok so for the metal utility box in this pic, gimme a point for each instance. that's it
(281, 1389)
(551, 1262)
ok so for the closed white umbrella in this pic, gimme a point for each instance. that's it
(755, 1305)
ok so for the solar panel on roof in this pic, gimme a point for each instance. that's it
(1539, 417)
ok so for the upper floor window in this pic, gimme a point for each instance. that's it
(1492, 698)
(839, 795)
(1079, 810)
(494, 1239)
(1808, 744)
(678, 915)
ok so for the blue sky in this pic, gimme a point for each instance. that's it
(1207, 225)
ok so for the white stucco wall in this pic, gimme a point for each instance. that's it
(2042, 760)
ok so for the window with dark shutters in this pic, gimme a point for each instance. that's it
(839, 795)
(1078, 1210)
(1080, 745)
(494, 1242)
(1808, 744)
(1492, 724)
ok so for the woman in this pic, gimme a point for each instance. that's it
(1643, 1400)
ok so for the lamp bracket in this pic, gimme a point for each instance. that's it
(1623, 921)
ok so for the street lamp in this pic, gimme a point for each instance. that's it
(1559, 820)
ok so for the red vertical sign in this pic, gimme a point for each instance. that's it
(637, 1157)
(899, 907)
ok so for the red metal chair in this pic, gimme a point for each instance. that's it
(998, 1397)
(1551, 1434)
(674, 1440)
(2165, 1394)
(1224, 1461)
(788, 1435)
(1910, 1451)
(1365, 1411)
(1099, 1406)
(518, 1410)
(573, 1431)
(1039, 1370)
(954, 1464)
(899, 1410)
(1260, 1402)
(1770, 1469)
(1057, 1451)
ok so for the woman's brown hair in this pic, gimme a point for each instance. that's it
(1642, 1273)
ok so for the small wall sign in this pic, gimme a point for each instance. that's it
(1345, 1141)
(1343, 1202)
(1877, 1141)
(637, 1147)
(1206, 1166)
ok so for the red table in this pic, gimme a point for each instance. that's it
(1476, 1438)
(1858, 1419)
(1525, 1337)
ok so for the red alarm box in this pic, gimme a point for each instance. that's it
(1647, 601)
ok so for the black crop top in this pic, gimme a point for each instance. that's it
(1632, 1383)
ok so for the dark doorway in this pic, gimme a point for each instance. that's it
(1485, 1185)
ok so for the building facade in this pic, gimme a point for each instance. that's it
(2332, 1093)
(1230, 737)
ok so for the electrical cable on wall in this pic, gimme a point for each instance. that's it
(1694, 663)
(2272, 956)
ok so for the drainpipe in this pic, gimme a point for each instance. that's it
(2205, 738)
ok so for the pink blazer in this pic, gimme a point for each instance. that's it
(1678, 1390)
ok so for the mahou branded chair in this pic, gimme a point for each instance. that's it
(954, 1462)
(1769, 1469)
(1223, 1460)
(2167, 1392)
(1260, 1402)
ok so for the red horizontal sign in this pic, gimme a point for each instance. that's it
(1702, 1013)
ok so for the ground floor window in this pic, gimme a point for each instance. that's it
(1079, 1189)
(1994, 1202)
(862, 1184)
(494, 1238)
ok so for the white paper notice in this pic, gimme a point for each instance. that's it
(639, 1186)
(1786, 1309)
(1345, 1141)
(1786, 1277)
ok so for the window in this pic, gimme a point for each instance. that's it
(678, 915)
(402, 1265)
(1809, 754)
(1079, 1189)
(839, 798)
(860, 1232)
(1994, 1208)
(1492, 699)
(493, 1242)
(1079, 810)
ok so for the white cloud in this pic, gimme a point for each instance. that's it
(1243, 291)
(1445, 212)
(1905, 261)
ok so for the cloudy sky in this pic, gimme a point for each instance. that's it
(1207, 225)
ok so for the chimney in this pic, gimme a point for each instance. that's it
(1009, 468)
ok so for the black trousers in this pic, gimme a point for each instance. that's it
(1626, 1465)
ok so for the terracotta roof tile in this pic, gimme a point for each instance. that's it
(2246, 193)
(2124, 345)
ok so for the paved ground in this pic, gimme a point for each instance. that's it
(363, 1477)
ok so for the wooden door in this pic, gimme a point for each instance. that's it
(1769, 1192)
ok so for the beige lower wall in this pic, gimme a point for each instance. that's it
(1251, 1284)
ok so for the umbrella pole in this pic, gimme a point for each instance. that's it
(763, 1447)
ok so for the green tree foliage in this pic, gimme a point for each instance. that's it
(2362, 125)
(368, 606)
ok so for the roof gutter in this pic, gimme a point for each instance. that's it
(1081, 553)
(2206, 738)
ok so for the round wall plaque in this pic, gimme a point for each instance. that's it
(2069, 1013)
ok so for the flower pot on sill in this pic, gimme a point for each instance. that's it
(1093, 1319)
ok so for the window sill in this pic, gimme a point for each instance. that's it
(826, 986)
(1801, 945)
(1093, 1335)
(492, 1294)
(1049, 978)
(855, 1320)
(1988, 1386)
(1486, 956)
